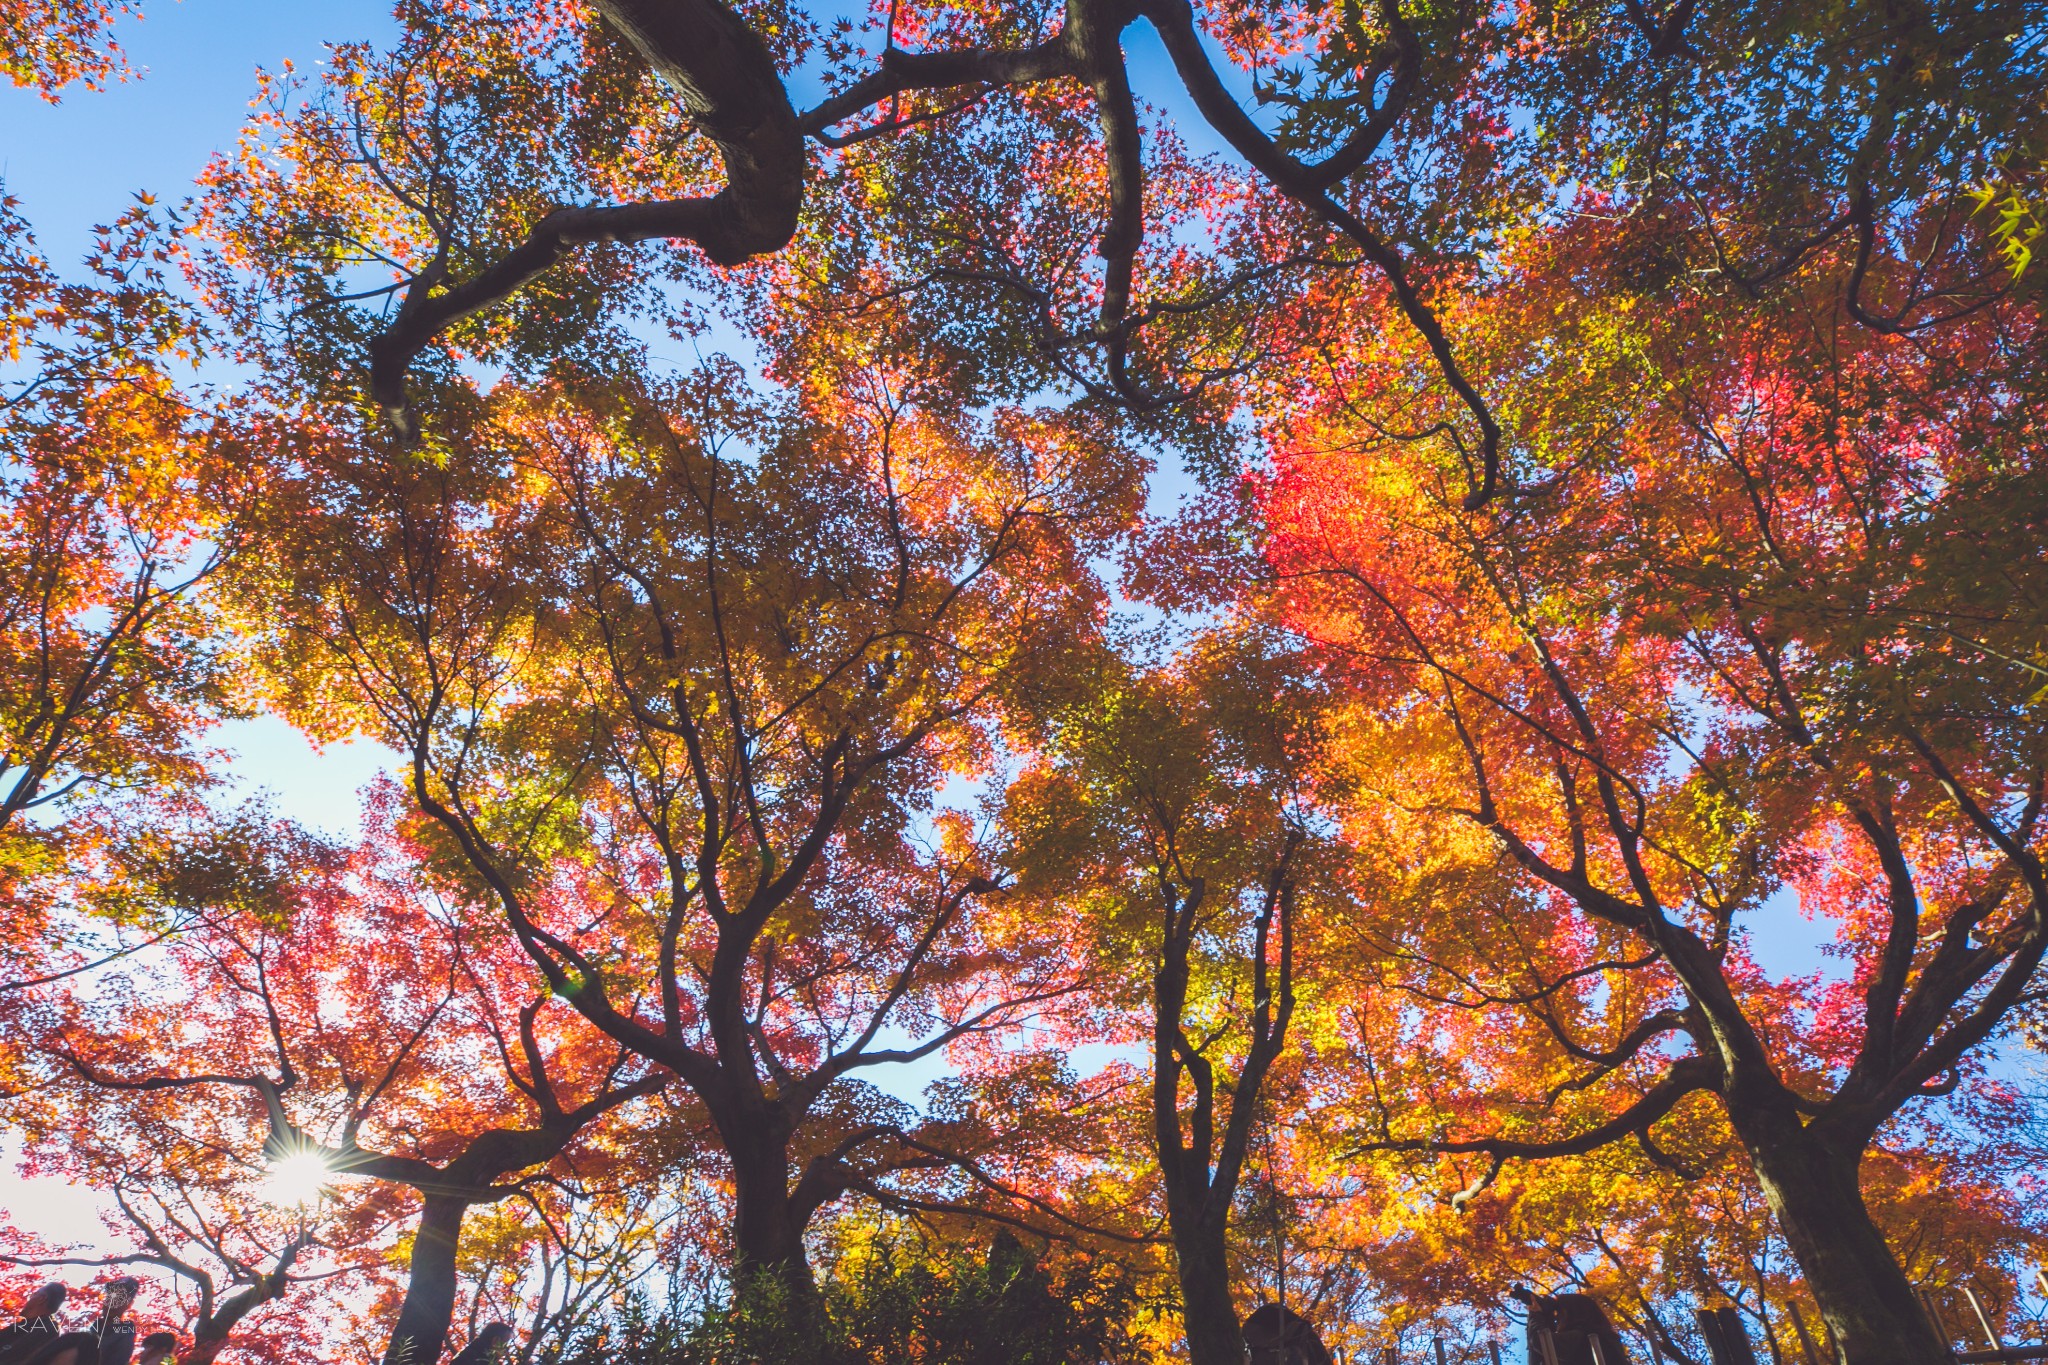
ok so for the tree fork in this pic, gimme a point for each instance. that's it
(1866, 1300)
(726, 78)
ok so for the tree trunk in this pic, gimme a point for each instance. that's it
(1207, 1310)
(1867, 1302)
(209, 1339)
(206, 1346)
(422, 1328)
(782, 1315)
(210, 1334)
(765, 1238)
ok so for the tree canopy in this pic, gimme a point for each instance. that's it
(1124, 681)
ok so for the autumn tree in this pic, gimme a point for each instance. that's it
(429, 204)
(333, 1044)
(117, 505)
(225, 1268)
(677, 670)
(46, 45)
(238, 1269)
(564, 1255)
(1652, 386)
(1378, 1253)
(1170, 822)
(1756, 629)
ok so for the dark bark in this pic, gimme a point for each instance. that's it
(1197, 1197)
(728, 81)
(448, 1190)
(1200, 1175)
(757, 1102)
(1869, 1305)
(472, 1178)
(485, 1345)
(726, 78)
(1276, 1335)
(771, 1213)
(210, 1335)
(1201, 1260)
(1309, 185)
(1928, 999)
(767, 1227)
(1808, 1167)
(429, 1306)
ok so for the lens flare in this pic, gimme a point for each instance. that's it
(296, 1180)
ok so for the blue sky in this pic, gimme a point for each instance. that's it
(76, 163)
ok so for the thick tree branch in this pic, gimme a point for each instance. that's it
(727, 80)
(1684, 1078)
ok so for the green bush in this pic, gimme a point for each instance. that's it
(999, 1306)
(895, 1303)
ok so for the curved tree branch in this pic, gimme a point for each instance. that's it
(727, 80)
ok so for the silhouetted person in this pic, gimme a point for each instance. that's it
(485, 1345)
(157, 1348)
(111, 1325)
(1574, 1322)
(71, 1348)
(110, 1340)
(1276, 1335)
(37, 1327)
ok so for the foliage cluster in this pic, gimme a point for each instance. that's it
(1616, 539)
(895, 1300)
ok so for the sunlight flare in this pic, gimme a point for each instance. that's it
(296, 1180)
